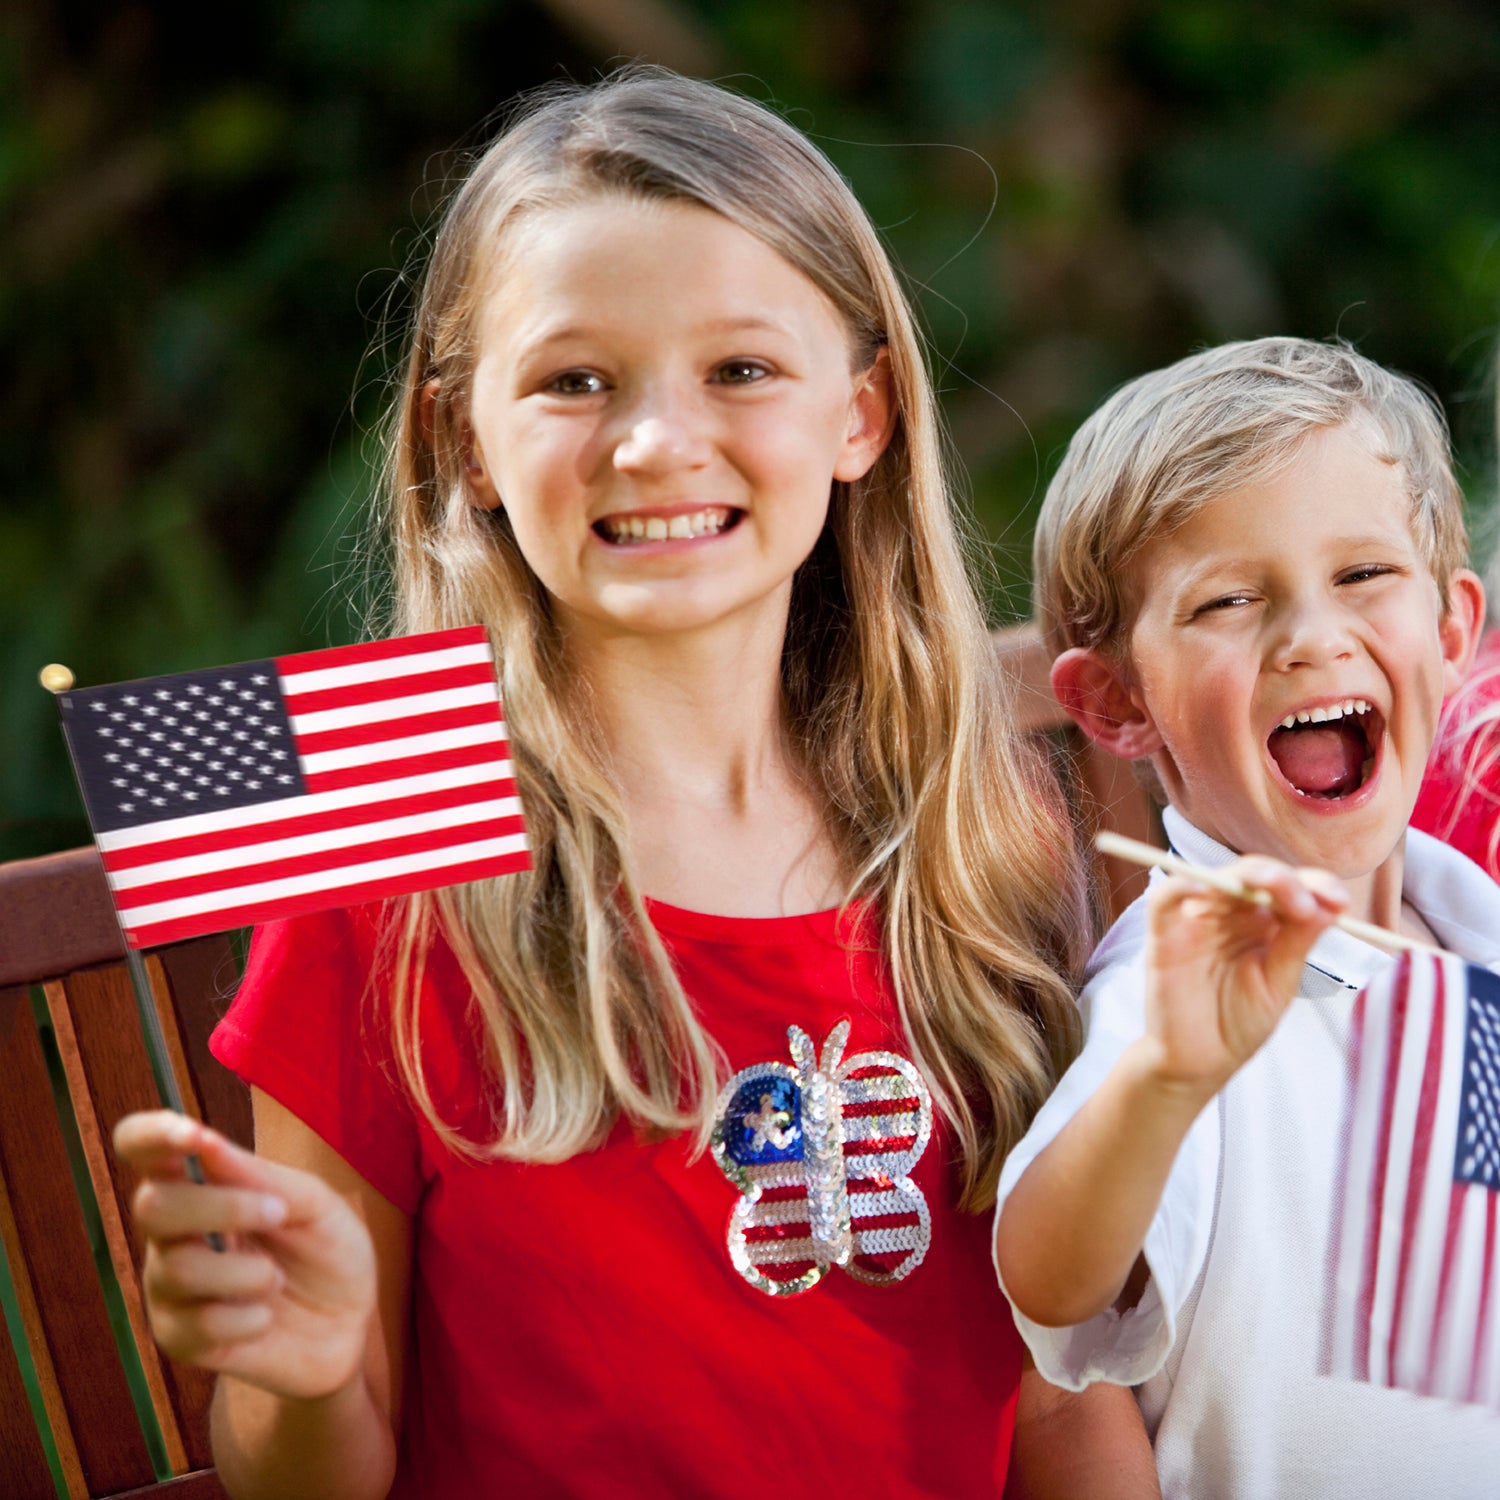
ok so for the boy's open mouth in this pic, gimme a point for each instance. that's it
(632, 530)
(1327, 752)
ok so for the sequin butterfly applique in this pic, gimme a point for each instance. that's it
(821, 1151)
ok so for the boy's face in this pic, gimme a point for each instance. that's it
(1290, 657)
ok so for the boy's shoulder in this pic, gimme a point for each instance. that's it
(1456, 898)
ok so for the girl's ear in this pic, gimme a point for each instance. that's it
(872, 420)
(482, 491)
(1100, 700)
(1460, 628)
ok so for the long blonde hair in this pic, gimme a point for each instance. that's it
(891, 692)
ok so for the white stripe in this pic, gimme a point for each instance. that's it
(779, 1211)
(322, 678)
(880, 1163)
(294, 846)
(412, 745)
(322, 880)
(903, 1124)
(1417, 1316)
(1402, 1128)
(1364, 1123)
(396, 708)
(314, 802)
(778, 1252)
(884, 1241)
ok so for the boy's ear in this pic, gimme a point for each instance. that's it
(1461, 627)
(872, 420)
(1093, 689)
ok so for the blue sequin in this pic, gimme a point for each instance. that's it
(764, 1121)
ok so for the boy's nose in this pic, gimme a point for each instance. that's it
(1313, 634)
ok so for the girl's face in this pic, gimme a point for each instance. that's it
(661, 403)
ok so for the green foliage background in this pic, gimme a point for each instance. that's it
(206, 217)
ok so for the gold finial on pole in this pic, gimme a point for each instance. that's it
(55, 677)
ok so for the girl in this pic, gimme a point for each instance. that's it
(665, 429)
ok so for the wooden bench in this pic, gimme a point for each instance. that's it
(89, 1407)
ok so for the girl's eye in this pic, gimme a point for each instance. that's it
(576, 383)
(741, 372)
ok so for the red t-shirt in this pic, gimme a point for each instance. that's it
(580, 1329)
(1460, 797)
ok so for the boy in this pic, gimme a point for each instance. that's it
(1250, 566)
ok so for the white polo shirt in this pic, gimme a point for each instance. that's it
(1224, 1344)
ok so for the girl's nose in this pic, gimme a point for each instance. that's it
(659, 442)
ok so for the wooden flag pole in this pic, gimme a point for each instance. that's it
(1147, 854)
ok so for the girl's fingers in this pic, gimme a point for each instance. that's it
(170, 1210)
(206, 1333)
(190, 1272)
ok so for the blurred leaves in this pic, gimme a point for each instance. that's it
(206, 229)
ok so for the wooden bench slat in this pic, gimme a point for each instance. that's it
(202, 1485)
(55, 915)
(55, 1249)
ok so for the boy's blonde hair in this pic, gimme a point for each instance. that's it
(1217, 421)
(890, 688)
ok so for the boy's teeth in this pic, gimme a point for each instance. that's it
(1323, 715)
(661, 528)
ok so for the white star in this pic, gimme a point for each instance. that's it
(97, 706)
(111, 756)
(260, 679)
(130, 701)
(195, 688)
(163, 693)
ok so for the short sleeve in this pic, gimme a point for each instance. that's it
(307, 1028)
(1123, 1348)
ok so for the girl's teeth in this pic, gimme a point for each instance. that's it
(663, 528)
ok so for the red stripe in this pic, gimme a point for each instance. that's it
(1445, 1284)
(1365, 1302)
(279, 867)
(243, 834)
(1432, 1072)
(357, 694)
(180, 928)
(882, 1107)
(401, 645)
(352, 736)
(406, 765)
(878, 1144)
(1487, 1274)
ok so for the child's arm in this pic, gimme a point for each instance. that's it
(1073, 1443)
(1219, 973)
(303, 1315)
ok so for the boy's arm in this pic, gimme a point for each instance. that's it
(1219, 973)
(1074, 1444)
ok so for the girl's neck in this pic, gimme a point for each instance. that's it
(719, 816)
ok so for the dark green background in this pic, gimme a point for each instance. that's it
(207, 209)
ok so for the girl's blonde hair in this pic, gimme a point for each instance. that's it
(890, 689)
(1228, 417)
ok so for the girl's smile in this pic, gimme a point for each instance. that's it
(661, 406)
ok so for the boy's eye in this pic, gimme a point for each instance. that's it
(1365, 573)
(1224, 601)
(741, 372)
(576, 383)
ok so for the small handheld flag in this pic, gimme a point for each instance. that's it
(1411, 1299)
(237, 794)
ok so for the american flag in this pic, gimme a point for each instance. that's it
(236, 794)
(821, 1152)
(1414, 1257)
